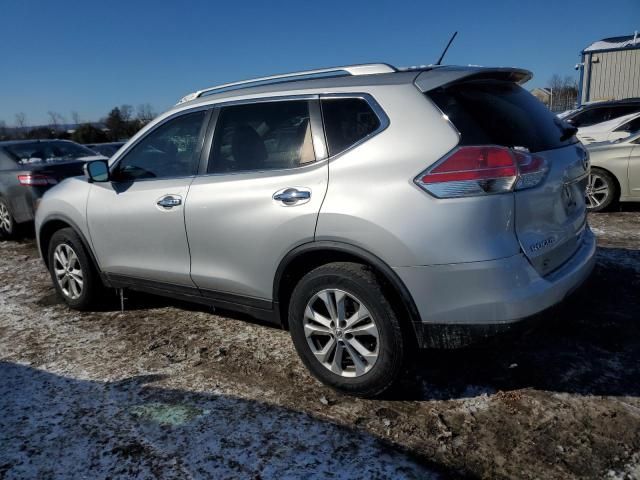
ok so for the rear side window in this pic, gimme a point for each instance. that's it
(347, 121)
(500, 113)
(47, 151)
(592, 116)
(262, 136)
(631, 126)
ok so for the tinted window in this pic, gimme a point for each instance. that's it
(170, 150)
(622, 110)
(591, 116)
(47, 151)
(347, 121)
(262, 136)
(631, 126)
(500, 113)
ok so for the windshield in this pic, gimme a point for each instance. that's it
(49, 151)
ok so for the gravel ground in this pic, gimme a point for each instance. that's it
(170, 390)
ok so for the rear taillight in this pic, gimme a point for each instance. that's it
(33, 180)
(482, 170)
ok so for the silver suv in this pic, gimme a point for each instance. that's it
(366, 209)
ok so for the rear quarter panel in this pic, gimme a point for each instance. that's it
(372, 201)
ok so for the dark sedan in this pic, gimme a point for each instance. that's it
(28, 168)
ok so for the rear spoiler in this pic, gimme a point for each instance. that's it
(442, 76)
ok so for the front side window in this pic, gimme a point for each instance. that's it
(347, 121)
(170, 150)
(262, 136)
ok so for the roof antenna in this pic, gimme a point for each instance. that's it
(446, 48)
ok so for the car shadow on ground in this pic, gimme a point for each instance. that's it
(53, 426)
(628, 207)
(590, 345)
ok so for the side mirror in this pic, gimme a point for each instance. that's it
(97, 171)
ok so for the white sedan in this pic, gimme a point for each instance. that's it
(611, 130)
(615, 173)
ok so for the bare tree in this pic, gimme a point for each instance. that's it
(75, 117)
(56, 119)
(145, 113)
(126, 112)
(564, 92)
(21, 120)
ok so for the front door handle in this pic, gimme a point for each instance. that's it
(169, 201)
(292, 196)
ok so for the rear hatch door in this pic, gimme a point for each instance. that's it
(550, 216)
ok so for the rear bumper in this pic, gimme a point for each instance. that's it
(491, 296)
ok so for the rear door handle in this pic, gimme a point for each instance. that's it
(292, 196)
(169, 201)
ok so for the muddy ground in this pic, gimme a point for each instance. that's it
(170, 390)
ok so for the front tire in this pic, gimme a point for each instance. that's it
(345, 329)
(73, 274)
(602, 190)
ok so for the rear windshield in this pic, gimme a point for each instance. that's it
(49, 151)
(500, 113)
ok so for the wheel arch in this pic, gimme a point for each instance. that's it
(305, 258)
(50, 226)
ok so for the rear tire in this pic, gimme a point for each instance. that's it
(72, 271)
(602, 191)
(346, 331)
(8, 226)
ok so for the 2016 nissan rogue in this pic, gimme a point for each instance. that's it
(367, 209)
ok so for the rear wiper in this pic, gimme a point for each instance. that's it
(568, 131)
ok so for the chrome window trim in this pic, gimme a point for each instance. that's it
(383, 119)
(207, 109)
(444, 116)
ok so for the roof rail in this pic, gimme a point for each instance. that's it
(362, 69)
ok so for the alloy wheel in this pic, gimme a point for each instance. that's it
(597, 190)
(342, 334)
(5, 218)
(68, 271)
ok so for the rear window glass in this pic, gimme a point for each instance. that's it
(500, 113)
(347, 121)
(47, 152)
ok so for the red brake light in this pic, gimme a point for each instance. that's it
(482, 170)
(473, 163)
(32, 180)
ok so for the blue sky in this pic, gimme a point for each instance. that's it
(88, 56)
